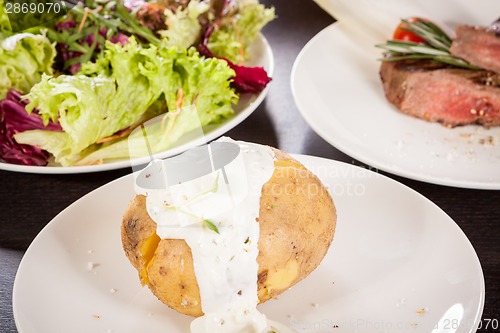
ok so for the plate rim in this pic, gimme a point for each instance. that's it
(306, 159)
(450, 182)
(218, 130)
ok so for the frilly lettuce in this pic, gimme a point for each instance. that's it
(81, 106)
(23, 60)
(233, 39)
(118, 92)
(183, 27)
(233, 35)
(198, 94)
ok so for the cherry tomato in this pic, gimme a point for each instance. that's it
(402, 34)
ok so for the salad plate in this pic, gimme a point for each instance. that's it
(397, 263)
(336, 86)
(261, 55)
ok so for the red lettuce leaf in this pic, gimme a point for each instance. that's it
(247, 79)
(14, 119)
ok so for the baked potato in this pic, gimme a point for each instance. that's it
(297, 220)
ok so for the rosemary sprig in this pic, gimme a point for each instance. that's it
(431, 33)
(436, 47)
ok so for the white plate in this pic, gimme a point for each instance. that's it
(261, 55)
(335, 83)
(394, 253)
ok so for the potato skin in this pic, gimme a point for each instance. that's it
(136, 227)
(297, 219)
(297, 222)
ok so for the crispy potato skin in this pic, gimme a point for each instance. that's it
(136, 227)
(297, 219)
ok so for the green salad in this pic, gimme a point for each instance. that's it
(76, 89)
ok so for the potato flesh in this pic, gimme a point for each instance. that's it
(148, 249)
(296, 219)
(283, 278)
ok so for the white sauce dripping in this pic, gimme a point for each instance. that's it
(218, 220)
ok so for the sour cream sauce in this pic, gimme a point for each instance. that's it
(217, 215)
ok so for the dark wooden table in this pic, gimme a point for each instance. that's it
(29, 201)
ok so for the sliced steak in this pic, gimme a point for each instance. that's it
(442, 94)
(480, 46)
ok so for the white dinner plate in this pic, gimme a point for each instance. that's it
(398, 263)
(336, 86)
(260, 55)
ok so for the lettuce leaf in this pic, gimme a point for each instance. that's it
(115, 93)
(233, 39)
(157, 135)
(23, 59)
(79, 104)
(125, 87)
(203, 87)
(183, 27)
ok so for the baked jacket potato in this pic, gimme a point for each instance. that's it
(297, 220)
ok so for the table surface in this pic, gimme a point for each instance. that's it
(30, 201)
